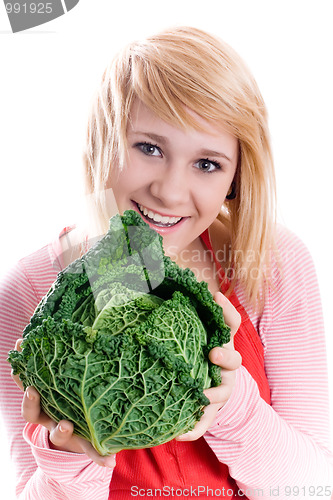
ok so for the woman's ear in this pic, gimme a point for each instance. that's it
(232, 193)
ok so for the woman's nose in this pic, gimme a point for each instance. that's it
(171, 186)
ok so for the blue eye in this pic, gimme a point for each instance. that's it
(149, 149)
(207, 165)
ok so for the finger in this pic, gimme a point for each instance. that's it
(61, 433)
(201, 427)
(231, 315)
(225, 357)
(16, 378)
(18, 345)
(62, 438)
(221, 394)
(31, 410)
(17, 381)
(89, 450)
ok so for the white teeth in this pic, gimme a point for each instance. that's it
(158, 217)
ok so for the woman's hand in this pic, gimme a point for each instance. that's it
(61, 435)
(229, 360)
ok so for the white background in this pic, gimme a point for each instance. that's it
(49, 73)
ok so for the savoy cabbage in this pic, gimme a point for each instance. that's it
(119, 344)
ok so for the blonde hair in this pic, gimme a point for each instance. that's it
(184, 68)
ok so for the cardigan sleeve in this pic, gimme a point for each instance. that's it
(61, 475)
(41, 472)
(18, 299)
(282, 450)
(21, 289)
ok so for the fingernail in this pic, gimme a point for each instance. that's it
(30, 395)
(220, 354)
(61, 428)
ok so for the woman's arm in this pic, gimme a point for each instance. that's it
(18, 300)
(264, 452)
(283, 450)
(38, 468)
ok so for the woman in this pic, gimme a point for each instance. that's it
(177, 131)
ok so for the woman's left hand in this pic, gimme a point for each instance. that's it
(229, 360)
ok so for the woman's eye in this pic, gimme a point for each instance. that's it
(149, 149)
(207, 165)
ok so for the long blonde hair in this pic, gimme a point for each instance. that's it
(183, 68)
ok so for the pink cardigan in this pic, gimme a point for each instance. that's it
(280, 450)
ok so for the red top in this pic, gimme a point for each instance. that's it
(185, 466)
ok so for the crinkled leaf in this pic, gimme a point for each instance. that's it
(119, 344)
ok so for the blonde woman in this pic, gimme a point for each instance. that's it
(178, 132)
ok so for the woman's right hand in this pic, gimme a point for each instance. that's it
(61, 435)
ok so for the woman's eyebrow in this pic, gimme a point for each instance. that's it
(210, 152)
(155, 137)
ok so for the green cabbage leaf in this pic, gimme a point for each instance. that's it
(119, 344)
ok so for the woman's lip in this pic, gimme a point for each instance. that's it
(157, 212)
(159, 229)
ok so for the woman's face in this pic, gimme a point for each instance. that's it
(175, 179)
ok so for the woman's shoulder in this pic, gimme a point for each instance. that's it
(285, 238)
(290, 256)
(34, 273)
(21, 289)
(292, 276)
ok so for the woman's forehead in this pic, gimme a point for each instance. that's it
(143, 115)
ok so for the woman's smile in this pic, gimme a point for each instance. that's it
(156, 218)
